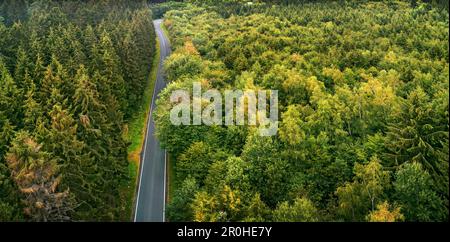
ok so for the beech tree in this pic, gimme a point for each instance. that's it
(414, 191)
(302, 210)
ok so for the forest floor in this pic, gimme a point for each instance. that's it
(170, 177)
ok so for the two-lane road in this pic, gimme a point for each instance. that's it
(151, 194)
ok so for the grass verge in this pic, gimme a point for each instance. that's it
(170, 177)
(137, 128)
(165, 31)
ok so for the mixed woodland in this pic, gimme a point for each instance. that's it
(363, 124)
(363, 109)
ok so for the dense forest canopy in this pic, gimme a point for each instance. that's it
(72, 73)
(363, 101)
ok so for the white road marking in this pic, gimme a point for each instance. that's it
(160, 65)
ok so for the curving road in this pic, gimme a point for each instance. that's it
(151, 194)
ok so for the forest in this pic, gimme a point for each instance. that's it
(363, 130)
(363, 98)
(72, 75)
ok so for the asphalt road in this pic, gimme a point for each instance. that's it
(151, 194)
